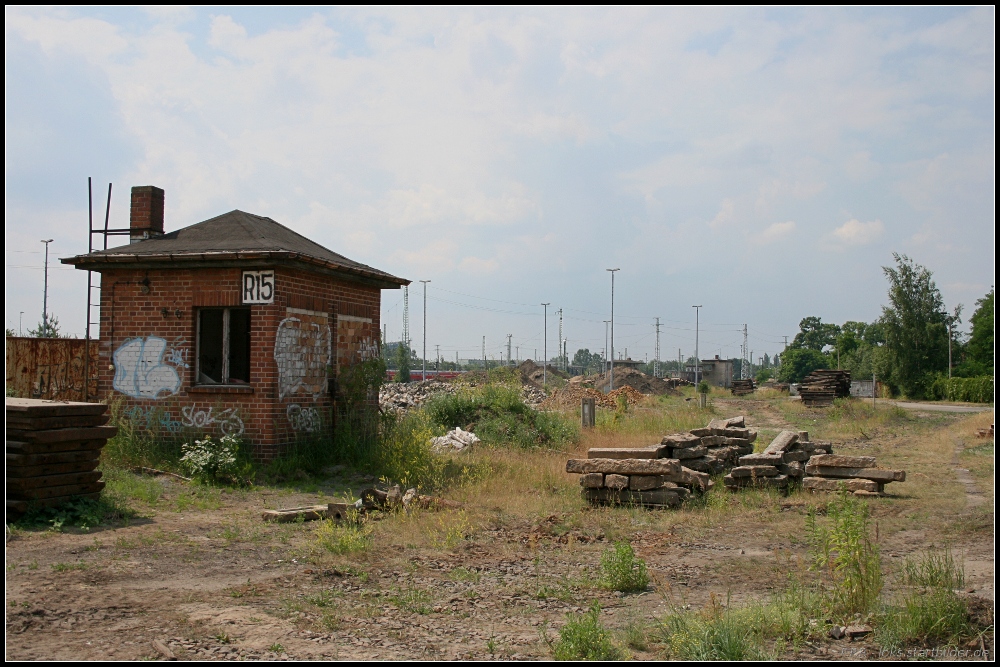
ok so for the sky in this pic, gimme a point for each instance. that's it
(764, 164)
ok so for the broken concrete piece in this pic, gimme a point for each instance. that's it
(308, 513)
(838, 461)
(761, 460)
(454, 441)
(857, 631)
(690, 453)
(625, 466)
(781, 442)
(702, 432)
(694, 478)
(592, 480)
(838, 632)
(788, 457)
(656, 498)
(778, 481)
(681, 440)
(654, 452)
(616, 481)
(874, 474)
(645, 482)
(803, 436)
(824, 484)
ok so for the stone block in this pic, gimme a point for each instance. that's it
(592, 480)
(874, 474)
(754, 471)
(824, 484)
(616, 481)
(645, 482)
(654, 452)
(625, 466)
(839, 461)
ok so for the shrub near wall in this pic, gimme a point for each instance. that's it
(973, 390)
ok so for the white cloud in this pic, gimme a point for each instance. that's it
(855, 232)
(774, 232)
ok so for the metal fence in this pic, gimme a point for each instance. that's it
(51, 368)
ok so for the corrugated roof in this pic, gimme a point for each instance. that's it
(233, 235)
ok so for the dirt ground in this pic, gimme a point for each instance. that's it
(200, 572)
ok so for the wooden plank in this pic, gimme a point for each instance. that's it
(57, 491)
(308, 513)
(36, 407)
(14, 459)
(30, 484)
(93, 446)
(14, 472)
(654, 452)
(28, 423)
(625, 466)
(874, 474)
(63, 434)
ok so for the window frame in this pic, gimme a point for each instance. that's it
(226, 342)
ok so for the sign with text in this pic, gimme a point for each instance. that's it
(258, 287)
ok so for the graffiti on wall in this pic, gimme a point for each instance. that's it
(140, 371)
(302, 350)
(228, 420)
(153, 418)
(303, 419)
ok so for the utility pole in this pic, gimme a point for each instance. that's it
(697, 358)
(565, 354)
(545, 343)
(605, 369)
(744, 371)
(508, 348)
(786, 342)
(949, 352)
(45, 291)
(437, 358)
(680, 364)
(20, 318)
(423, 372)
(406, 321)
(561, 362)
(612, 385)
(656, 357)
(484, 353)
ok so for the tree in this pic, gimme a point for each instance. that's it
(403, 354)
(796, 363)
(47, 328)
(915, 324)
(589, 361)
(981, 357)
(814, 335)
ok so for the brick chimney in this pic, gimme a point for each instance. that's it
(146, 216)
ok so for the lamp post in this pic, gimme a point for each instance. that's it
(45, 291)
(612, 385)
(423, 368)
(605, 369)
(545, 343)
(697, 358)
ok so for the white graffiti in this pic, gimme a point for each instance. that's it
(228, 420)
(140, 371)
(302, 350)
(368, 349)
(177, 353)
(303, 419)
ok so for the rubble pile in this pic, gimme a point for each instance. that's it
(780, 464)
(398, 397)
(454, 441)
(820, 387)
(641, 382)
(571, 394)
(857, 474)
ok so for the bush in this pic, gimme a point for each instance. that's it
(499, 416)
(972, 390)
(844, 553)
(584, 638)
(622, 571)
(219, 462)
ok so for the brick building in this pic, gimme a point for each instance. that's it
(233, 325)
(718, 372)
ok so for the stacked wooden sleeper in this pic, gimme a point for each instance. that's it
(53, 449)
(858, 474)
(782, 462)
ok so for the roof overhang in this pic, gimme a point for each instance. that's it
(245, 260)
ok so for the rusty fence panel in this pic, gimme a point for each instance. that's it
(50, 368)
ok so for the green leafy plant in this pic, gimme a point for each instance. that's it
(716, 633)
(585, 638)
(343, 538)
(212, 461)
(843, 551)
(622, 571)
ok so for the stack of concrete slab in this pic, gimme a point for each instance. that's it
(820, 387)
(743, 387)
(783, 462)
(713, 449)
(636, 476)
(857, 474)
(53, 448)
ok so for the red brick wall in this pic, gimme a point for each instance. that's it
(156, 350)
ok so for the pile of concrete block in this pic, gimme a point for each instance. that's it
(713, 449)
(636, 476)
(782, 463)
(857, 474)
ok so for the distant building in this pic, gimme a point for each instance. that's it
(718, 372)
(624, 363)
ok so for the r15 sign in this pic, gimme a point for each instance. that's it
(258, 287)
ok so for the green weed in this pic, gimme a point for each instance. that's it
(935, 568)
(66, 567)
(622, 571)
(343, 538)
(412, 600)
(936, 615)
(585, 638)
(712, 634)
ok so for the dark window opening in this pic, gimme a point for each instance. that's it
(223, 346)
